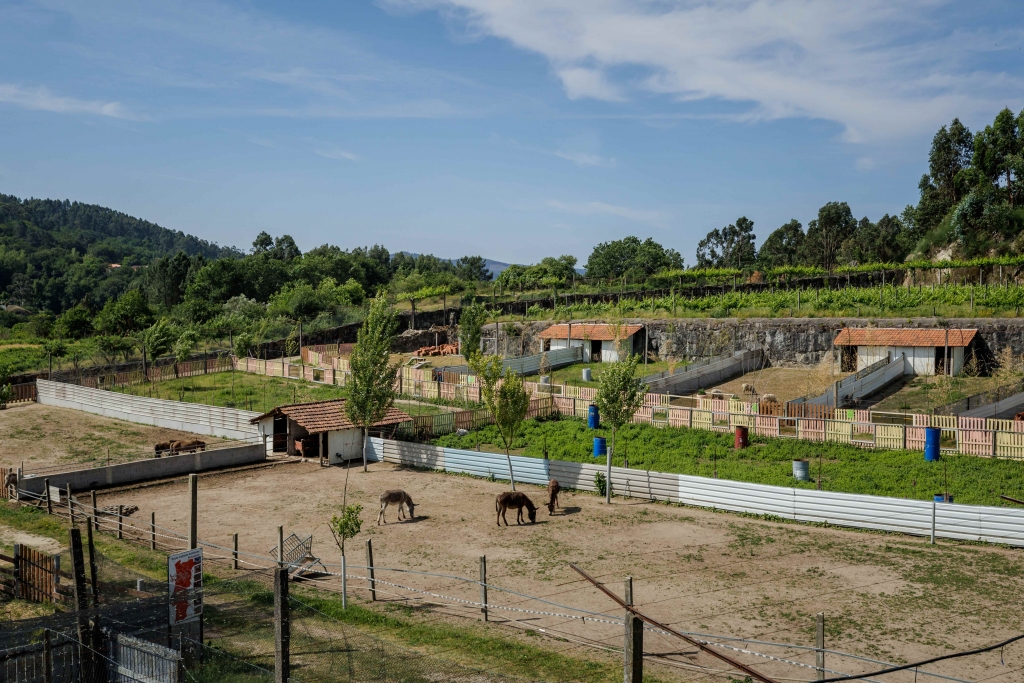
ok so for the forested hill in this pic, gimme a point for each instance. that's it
(91, 229)
(55, 254)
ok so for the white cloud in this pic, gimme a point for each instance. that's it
(879, 68)
(591, 208)
(580, 83)
(339, 154)
(584, 159)
(40, 98)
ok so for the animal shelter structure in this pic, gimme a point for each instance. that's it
(321, 429)
(601, 342)
(927, 352)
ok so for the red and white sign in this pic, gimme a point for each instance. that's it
(185, 585)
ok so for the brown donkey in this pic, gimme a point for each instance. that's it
(399, 498)
(517, 500)
(553, 489)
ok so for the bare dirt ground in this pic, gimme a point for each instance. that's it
(884, 596)
(46, 436)
(786, 383)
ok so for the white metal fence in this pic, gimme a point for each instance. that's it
(227, 423)
(916, 517)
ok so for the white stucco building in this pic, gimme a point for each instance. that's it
(322, 428)
(928, 352)
(603, 342)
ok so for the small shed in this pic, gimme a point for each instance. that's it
(927, 351)
(320, 427)
(603, 341)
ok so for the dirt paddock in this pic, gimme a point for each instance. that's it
(889, 597)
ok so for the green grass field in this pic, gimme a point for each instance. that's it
(251, 392)
(845, 468)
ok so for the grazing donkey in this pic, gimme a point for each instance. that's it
(749, 389)
(517, 500)
(399, 498)
(553, 489)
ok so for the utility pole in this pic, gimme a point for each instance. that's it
(282, 627)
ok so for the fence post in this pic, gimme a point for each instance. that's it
(92, 566)
(95, 510)
(633, 647)
(369, 568)
(193, 509)
(152, 531)
(17, 570)
(483, 585)
(344, 584)
(81, 601)
(234, 551)
(71, 507)
(933, 522)
(49, 503)
(120, 522)
(47, 658)
(819, 643)
(282, 627)
(280, 546)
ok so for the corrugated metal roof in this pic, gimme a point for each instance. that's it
(327, 416)
(592, 331)
(873, 336)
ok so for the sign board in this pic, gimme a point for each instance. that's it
(55, 494)
(185, 586)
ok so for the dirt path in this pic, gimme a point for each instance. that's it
(889, 597)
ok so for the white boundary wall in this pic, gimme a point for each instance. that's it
(227, 423)
(951, 520)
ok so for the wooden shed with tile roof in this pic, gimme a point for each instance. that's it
(321, 429)
(928, 352)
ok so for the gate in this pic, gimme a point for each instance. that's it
(33, 575)
(139, 661)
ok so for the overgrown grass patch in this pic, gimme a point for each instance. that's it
(843, 467)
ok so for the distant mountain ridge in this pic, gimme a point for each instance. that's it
(494, 266)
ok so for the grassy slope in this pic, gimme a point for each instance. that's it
(768, 461)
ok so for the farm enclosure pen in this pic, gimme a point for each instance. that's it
(919, 518)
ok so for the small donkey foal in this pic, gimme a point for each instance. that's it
(399, 498)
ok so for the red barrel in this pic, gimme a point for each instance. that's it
(742, 437)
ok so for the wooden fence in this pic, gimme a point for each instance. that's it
(24, 392)
(32, 575)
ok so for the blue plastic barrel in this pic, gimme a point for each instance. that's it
(600, 448)
(943, 498)
(593, 419)
(932, 437)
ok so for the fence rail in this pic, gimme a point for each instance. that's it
(915, 517)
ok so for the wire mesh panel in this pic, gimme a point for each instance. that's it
(134, 660)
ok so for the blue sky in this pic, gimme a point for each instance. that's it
(514, 129)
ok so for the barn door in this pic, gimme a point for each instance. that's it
(280, 433)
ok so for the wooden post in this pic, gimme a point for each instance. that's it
(282, 627)
(92, 566)
(483, 585)
(369, 569)
(120, 522)
(49, 503)
(633, 648)
(193, 494)
(819, 643)
(80, 598)
(71, 507)
(47, 657)
(95, 510)
(152, 531)
(933, 523)
(280, 546)
(17, 570)
(234, 551)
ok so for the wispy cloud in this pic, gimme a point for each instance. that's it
(880, 69)
(339, 154)
(592, 208)
(584, 159)
(42, 99)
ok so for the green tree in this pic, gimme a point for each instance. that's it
(951, 152)
(505, 397)
(996, 147)
(74, 323)
(630, 255)
(371, 388)
(471, 326)
(784, 247)
(110, 347)
(158, 339)
(730, 247)
(6, 390)
(125, 315)
(187, 341)
(619, 396)
(55, 348)
(826, 234)
(347, 525)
